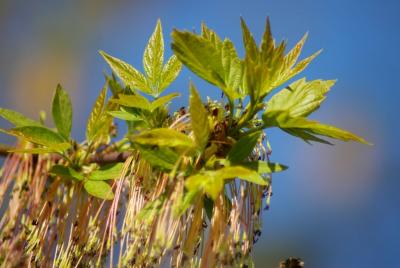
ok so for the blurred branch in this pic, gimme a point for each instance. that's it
(4, 150)
(101, 158)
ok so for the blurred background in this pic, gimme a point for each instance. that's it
(337, 206)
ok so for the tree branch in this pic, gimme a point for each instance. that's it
(101, 159)
(4, 150)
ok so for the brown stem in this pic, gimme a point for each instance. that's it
(4, 150)
(101, 159)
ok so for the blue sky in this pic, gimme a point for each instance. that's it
(336, 206)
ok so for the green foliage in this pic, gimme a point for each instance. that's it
(199, 119)
(263, 167)
(212, 182)
(129, 75)
(17, 119)
(134, 101)
(220, 144)
(41, 136)
(66, 172)
(107, 172)
(99, 189)
(307, 129)
(124, 115)
(243, 147)
(300, 98)
(163, 137)
(211, 159)
(157, 76)
(62, 112)
(99, 121)
(163, 158)
(140, 102)
(213, 60)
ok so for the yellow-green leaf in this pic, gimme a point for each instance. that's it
(263, 167)
(169, 72)
(66, 172)
(252, 51)
(99, 189)
(303, 125)
(212, 182)
(241, 172)
(17, 119)
(62, 112)
(293, 55)
(163, 100)
(163, 157)
(210, 58)
(129, 75)
(40, 135)
(232, 67)
(243, 147)
(199, 55)
(163, 137)
(95, 117)
(206, 182)
(301, 97)
(124, 115)
(135, 101)
(199, 118)
(298, 68)
(153, 58)
(267, 42)
(107, 172)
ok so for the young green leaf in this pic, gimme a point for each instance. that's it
(199, 55)
(41, 135)
(243, 147)
(305, 136)
(66, 172)
(241, 172)
(263, 167)
(210, 58)
(282, 120)
(169, 72)
(135, 101)
(99, 122)
(124, 115)
(206, 182)
(163, 137)
(163, 158)
(251, 48)
(17, 119)
(99, 189)
(199, 119)
(129, 75)
(163, 100)
(107, 172)
(153, 58)
(233, 70)
(62, 112)
(115, 87)
(293, 55)
(267, 43)
(212, 182)
(288, 74)
(262, 66)
(300, 98)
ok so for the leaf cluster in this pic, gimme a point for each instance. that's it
(214, 144)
